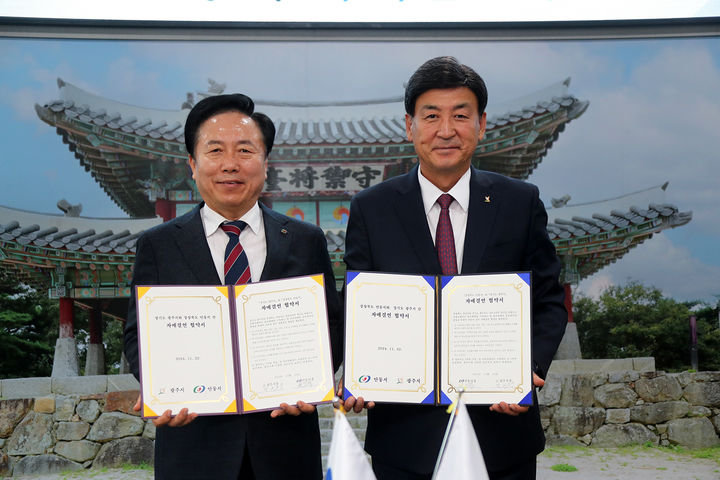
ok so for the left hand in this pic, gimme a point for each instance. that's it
(293, 410)
(514, 409)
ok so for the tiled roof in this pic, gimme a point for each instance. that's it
(372, 121)
(100, 235)
(607, 215)
(592, 235)
(587, 236)
(137, 155)
(89, 108)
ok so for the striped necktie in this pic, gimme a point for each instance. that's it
(237, 269)
(444, 238)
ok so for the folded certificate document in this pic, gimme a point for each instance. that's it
(230, 350)
(422, 339)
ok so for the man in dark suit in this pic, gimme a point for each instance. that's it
(497, 224)
(228, 145)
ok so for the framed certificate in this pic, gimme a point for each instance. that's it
(234, 349)
(422, 339)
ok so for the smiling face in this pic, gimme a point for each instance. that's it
(445, 129)
(229, 163)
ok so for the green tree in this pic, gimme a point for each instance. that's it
(638, 321)
(112, 335)
(28, 330)
(113, 340)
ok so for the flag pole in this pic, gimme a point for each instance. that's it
(443, 446)
(338, 405)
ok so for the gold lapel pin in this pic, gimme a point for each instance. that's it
(487, 198)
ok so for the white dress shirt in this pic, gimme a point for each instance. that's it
(252, 238)
(458, 209)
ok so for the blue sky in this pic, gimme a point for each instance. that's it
(653, 116)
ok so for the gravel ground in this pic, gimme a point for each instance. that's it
(628, 463)
(591, 463)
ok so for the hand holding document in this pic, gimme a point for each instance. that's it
(421, 339)
(229, 350)
(167, 419)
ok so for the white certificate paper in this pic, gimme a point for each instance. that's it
(186, 351)
(283, 343)
(230, 350)
(389, 337)
(486, 338)
(423, 339)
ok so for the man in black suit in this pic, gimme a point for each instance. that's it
(228, 145)
(497, 224)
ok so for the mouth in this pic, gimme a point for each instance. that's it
(446, 148)
(230, 182)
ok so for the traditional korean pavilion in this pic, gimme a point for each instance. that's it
(324, 153)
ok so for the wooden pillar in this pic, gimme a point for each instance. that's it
(95, 325)
(95, 360)
(67, 318)
(165, 209)
(570, 345)
(65, 361)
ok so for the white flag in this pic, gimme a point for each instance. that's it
(346, 460)
(462, 458)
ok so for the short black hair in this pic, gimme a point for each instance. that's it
(216, 104)
(267, 128)
(444, 72)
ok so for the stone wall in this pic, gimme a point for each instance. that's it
(607, 409)
(50, 425)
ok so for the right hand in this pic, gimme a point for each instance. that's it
(179, 420)
(351, 403)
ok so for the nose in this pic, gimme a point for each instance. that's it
(446, 129)
(230, 162)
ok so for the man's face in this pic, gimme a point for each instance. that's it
(229, 163)
(445, 129)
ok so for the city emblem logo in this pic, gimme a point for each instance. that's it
(364, 378)
(199, 389)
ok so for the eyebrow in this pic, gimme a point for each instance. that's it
(435, 107)
(219, 142)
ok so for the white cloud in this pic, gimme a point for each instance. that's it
(355, 70)
(39, 85)
(126, 81)
(660, 263)
(595, 285)
(657, 126)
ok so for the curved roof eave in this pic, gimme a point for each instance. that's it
(168, 123)
(103, 235)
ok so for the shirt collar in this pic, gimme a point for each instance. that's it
(212, 220)
(460, 191)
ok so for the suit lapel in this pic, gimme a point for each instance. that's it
(484, 203)
(411, 215)
(278, 239)
(194, 248)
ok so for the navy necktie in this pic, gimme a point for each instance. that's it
(444, 238)
(237, 269)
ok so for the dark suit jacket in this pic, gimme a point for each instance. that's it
(506, 231)
(177, 252)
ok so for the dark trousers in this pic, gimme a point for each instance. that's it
(246, 471)
(521, 471)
